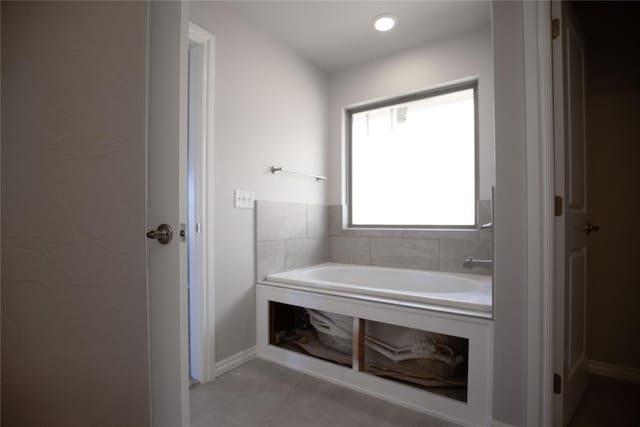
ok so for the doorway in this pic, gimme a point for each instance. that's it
(598, 317)
(199, 225)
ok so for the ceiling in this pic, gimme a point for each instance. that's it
(336, 35)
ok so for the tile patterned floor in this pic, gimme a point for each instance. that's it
(262, 394)
(608, 402)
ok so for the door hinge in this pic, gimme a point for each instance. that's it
(557, 384)
(557, 205)
(555, 28)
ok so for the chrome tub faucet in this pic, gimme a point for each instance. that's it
(470, 262)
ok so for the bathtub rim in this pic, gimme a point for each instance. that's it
(469, 313)
(430, 306)
(383, 267)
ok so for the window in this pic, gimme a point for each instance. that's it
(413, 161)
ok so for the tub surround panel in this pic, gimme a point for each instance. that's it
(290, 236)
(409, 234)
(279, 221)
(350, 250)
(441, 234)
(269, 257)
(486, 235)
(305, 252)
(443, 250)
(454, 252)
(317, 221)
(335, 220)
(484, 211)
(354, 232)
(406, 253)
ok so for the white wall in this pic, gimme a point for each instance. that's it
(270, 109)
(510, 241)
(431, 65)
(74, 294)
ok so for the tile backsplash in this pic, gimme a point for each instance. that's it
(291, 235)
(443, 250)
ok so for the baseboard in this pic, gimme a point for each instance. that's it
(235, 360)
(495, 423)
(614, 371)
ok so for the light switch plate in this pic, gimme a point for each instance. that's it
(244, 199)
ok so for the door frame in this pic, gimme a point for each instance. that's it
(540, 219)
(542, 260)
(203, 293)
(540, 211)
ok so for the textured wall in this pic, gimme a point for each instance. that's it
(74, 303)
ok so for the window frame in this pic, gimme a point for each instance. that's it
(429, 93)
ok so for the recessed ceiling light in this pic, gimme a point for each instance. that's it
(384, 22)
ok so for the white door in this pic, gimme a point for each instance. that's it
(166, 194)
(570, 358)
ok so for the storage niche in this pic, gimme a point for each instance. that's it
(319, 334)
(438, 363)
(431, 361)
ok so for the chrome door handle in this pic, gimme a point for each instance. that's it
(163, 234)
(588, 228)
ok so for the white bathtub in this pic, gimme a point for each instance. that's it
(430, 288)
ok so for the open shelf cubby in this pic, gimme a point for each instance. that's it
(320, 334)
(430, 361)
